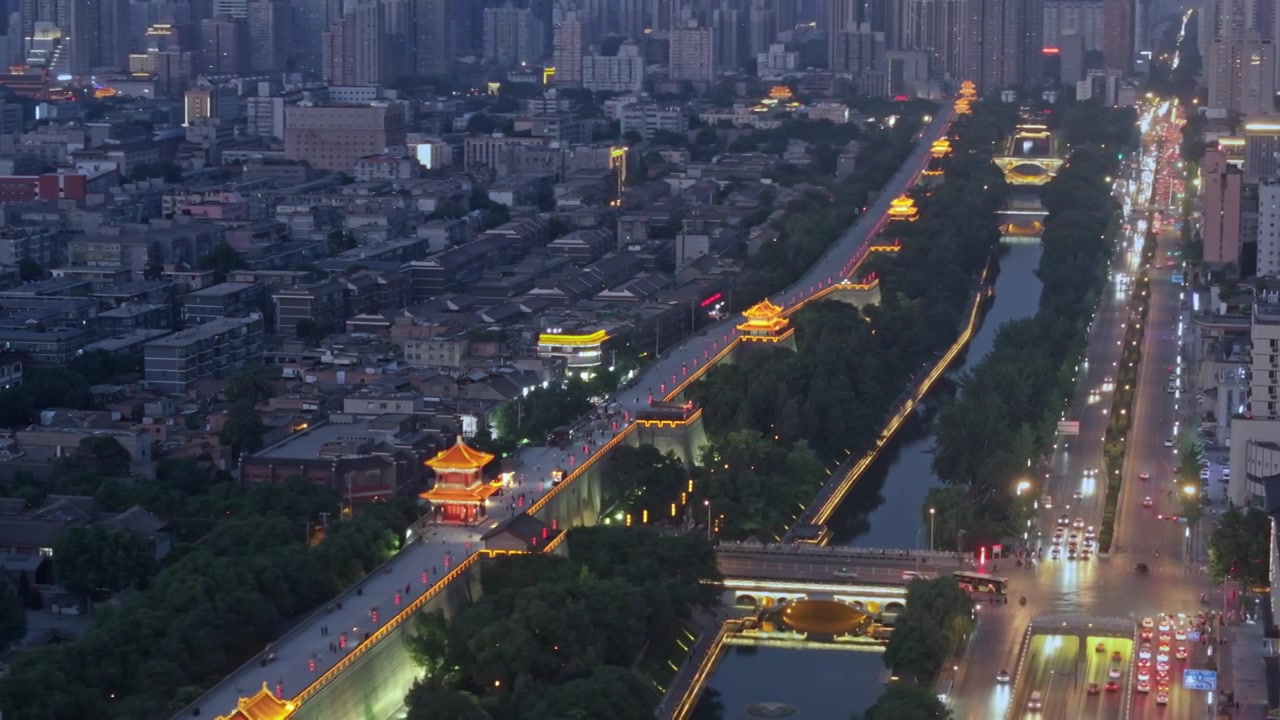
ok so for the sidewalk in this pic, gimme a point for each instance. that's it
(1242, 663)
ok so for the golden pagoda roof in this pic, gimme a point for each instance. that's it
(457, 495)
(763, 310)
(903, 207)
(262, 705)
(459, 457)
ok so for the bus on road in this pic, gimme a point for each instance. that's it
(976, 582)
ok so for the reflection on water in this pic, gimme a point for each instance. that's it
(883, 509)
(826, 618)
(819, 684)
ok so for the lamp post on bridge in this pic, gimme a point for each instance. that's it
(932, 514)
(707, 504)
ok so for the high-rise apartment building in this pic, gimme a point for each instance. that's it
(1003, 44)
(1117, 49)
(98, 31)
(85, 30)
(838, 16)
(1239, 59)
(224, 42)
(1086, 18)
(355, 48)
(1221, 188)
(568, 45)
(270, 30)
(935, 27)
(434, 38)
(693, 53)
(732, 37)
(512, 37)
(762, 26)
(398, 39)
(1269, 228)
(857, 50)
(234, 8)
(311, 19)
(1261, 151)
(1241, 74)
(622, 73)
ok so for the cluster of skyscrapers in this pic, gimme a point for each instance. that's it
(996, 43)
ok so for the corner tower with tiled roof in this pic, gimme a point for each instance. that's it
(262, 705)
(460, 492)
(764, 322)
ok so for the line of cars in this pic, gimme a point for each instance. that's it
(1161, 640)
(1080, 540)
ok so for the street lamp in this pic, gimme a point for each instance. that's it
(932, 513)
(1023, 486)
(707, 504)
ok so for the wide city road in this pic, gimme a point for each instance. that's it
(1147, 520)
(1071, 498)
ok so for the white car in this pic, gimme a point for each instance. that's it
(1002, 677)
(1035, 703)
(1114, 673)
(1168, 442)
(1144, 654)
(1079, 523)
(845, 573)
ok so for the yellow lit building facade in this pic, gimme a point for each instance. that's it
(579, 350)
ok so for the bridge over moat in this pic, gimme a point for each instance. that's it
(1030, 156)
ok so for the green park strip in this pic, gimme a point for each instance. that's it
(588, 631)
(999, 429)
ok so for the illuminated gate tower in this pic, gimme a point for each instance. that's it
(460, 491)
(765, 323)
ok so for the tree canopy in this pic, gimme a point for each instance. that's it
(213, 605)
(936, 623)
(1240, 546)
(553, 637)
(901, 701)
